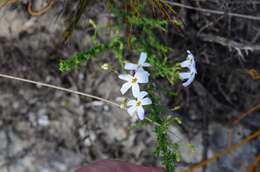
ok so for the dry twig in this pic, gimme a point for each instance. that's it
(254, 74)
(252, 167)
(228, 43)
(6, 2)
(41, 11)
(243, 115)
(237, 121)
(243, 16)
(224, 152)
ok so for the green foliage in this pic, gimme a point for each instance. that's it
(161, 67)
(164, 69)
(139, 124)
(149, 41)
(75, 61)
(148, 22)
(164, 148)
(118, 50)
(79, 58)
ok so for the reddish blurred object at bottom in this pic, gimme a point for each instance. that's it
(116, 166)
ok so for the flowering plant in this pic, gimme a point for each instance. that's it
(144, 39)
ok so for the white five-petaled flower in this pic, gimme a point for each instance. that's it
(133, 81)
(137, 104)
(190, 64)
(140, 65)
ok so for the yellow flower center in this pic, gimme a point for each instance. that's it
(134, 80)
(138, 103)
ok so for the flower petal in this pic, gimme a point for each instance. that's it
(193, 69)
(142, 76)
(142, 94)
(190, 57)
(188, 52)
(131, 103)
(146, 65)
(190, 64)
(125, 77)
(186, 63)
(140, 113)
(135, 90)
(125, 87)
(131, 110)
(142, 58)
(140, 69)
(185, 75)
(189, 81)
(131, 66)
(146, 101)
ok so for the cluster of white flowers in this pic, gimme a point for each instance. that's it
(190, 64)
(140, 76)
(135, 106)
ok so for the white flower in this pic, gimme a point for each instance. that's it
(43, 120)
(139, 66)
(137, 105)
(190, 64)
(133, 81)
(188, 76)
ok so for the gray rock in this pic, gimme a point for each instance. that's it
(237, 160)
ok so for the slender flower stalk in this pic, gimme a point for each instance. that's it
(59, 88)
(74, 92)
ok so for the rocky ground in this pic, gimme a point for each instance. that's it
(45, 130)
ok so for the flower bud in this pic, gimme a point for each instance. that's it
(105, 66)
